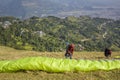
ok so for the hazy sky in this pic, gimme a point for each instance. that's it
(97, 2)
(91, 2)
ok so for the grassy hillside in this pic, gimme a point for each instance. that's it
(7, 53)
(52, 33)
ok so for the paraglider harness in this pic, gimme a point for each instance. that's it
(69, 51)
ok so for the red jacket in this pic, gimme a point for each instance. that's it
(70, 48)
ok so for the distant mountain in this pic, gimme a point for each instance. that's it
(12, 8)
(60, 8)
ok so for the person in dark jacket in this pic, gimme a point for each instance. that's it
(69, 51)
(107, 52)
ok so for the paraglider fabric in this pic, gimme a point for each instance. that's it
(57, 65)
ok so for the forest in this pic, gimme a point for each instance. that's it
(52, 33)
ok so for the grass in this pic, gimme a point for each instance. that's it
(7, 53)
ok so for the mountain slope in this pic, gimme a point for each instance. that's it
(52, 33)
(60, 8)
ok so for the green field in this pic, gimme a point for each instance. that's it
(12, 54)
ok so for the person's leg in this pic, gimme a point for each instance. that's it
(107, 55)
(66, 55)
(70, 56)
(110, 54)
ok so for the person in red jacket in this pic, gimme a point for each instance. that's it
(69, 51)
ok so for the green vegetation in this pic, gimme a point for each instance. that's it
(51, 33)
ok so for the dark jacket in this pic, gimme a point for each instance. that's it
(107, 52)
